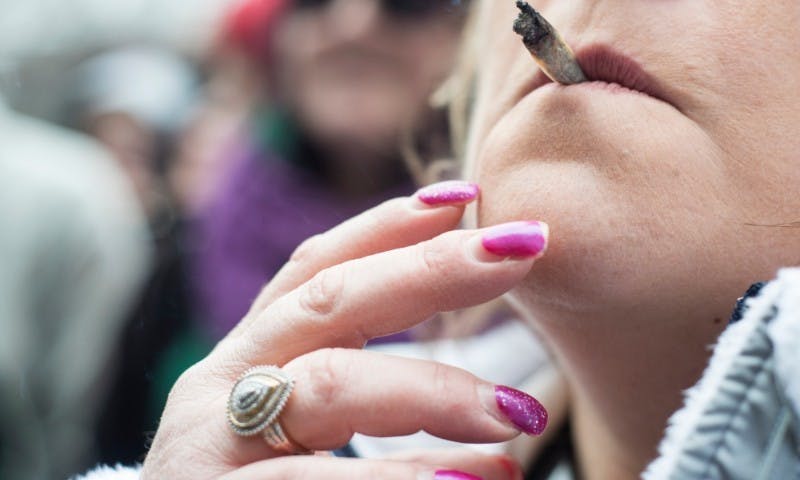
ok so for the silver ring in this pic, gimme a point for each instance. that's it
(255, 403)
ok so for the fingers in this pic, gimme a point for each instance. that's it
(340, 392)
(394, 224)
(465, 460)
(350, 303)
(314, 468)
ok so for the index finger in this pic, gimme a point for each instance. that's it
(396, 223)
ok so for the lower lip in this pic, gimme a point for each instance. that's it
(598, 86)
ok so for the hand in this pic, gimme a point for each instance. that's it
(376, 274)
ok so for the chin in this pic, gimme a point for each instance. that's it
(352, 137)
(362, 117)
(619, 178)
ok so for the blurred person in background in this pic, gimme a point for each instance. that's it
(298, 127)
(74, 252)
(341, 81)
(233, 86)
(137, 100)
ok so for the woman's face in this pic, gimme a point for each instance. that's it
(356, 72)
(671, 196)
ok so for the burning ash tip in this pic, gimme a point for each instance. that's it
(551, 53)
(526, 12)
(530, 25)
(524, 7)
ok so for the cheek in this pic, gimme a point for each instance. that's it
(634, 206)
(748, 70)
(295, 45)
(432, 59)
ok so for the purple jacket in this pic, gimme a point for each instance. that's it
(264, 209)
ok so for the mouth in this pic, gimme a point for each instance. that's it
(603, 65)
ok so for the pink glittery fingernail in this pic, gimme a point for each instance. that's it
(453, 192)
(524, 411)
(517, 239)
(454, 475)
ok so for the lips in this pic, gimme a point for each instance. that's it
(602, 63)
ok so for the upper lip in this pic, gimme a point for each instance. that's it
(601, 63)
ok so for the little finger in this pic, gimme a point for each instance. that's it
(314, 468)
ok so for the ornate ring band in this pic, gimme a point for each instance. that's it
(255, 404)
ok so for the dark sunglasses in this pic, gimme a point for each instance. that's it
(407, 9)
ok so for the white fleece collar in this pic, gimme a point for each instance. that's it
(112, 473)
(782, 294)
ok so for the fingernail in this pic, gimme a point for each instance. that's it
(454, 475)
(454, 192)
(524, 411)
(517, 239)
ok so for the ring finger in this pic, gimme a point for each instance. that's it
(340, 392)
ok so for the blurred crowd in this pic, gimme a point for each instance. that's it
(142, 211)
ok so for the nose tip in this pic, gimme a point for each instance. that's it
(355, 18)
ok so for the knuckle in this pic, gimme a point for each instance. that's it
(433, 259)
(192, 376)
(442, 378)
(185, 389)
(384, 215)
(182, 385)
(328, 371)
(306, 250)
(446, 381)
(388, 210)
(321, 295)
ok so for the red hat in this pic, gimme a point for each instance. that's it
(248, 23)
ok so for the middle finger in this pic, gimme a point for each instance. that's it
(350, 303)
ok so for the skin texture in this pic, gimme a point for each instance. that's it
(661, 212)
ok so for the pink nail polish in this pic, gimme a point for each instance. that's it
(524, 411)
(453, 192)
(517, 239)
(454, 475)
